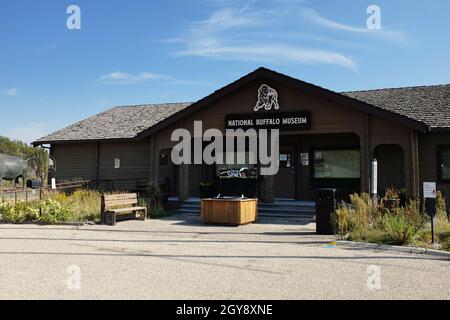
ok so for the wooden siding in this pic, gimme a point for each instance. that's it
(75, 161)
(79, 161)
(135, 161)
(428, 161)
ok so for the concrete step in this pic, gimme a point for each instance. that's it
(190, 206)
(183, 210)
(287, 209)
(281, 208)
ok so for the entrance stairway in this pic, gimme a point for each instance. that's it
(280, 208)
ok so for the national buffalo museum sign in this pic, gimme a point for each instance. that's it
(280, 120)
(267, 101)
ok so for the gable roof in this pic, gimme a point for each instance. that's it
(420, 108)
(267, 74)
(116, 123)
(427, 104)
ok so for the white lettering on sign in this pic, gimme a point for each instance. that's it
(302, 120)
(429, 190)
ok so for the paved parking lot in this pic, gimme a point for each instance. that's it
(177, 258)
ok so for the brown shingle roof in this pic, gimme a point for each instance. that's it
(116, 123)
(427, 104)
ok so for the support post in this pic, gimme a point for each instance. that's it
(374, 185)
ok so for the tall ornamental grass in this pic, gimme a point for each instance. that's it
(406, 225)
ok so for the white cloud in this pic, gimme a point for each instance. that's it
(27, 133)
(393, 35)
(221, 36)
(12, 92)
(271, 53)
(118, 77)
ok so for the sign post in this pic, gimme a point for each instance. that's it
(429, 194)
(374, 184)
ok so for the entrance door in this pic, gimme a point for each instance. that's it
(284, 183)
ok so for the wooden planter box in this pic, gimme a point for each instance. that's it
(233, 211)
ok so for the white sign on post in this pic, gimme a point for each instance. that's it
(53, 184)
(429, 190)
(304, 158)
(374, 177)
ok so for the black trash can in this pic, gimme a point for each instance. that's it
(326, 205)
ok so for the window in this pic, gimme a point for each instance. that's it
(336, 164)
(444, 163)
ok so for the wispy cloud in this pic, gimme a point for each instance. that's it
(118, 77)
(393, 35)
(12, 92)
(47, 49)
(271, 53)
(220, 37)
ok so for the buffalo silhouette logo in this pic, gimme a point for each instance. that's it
(267, 98)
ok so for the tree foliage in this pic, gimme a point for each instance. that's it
(37, 157)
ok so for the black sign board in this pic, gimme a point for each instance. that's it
(279, 120)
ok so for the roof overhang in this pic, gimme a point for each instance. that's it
(85, 141)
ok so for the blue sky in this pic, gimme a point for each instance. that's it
(138, 52)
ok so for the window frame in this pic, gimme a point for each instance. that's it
(440, 149)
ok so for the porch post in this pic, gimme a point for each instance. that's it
(365, 146)
(414, 180)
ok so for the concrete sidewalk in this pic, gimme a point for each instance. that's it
(178, 258)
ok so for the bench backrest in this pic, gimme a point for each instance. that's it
(119, 200)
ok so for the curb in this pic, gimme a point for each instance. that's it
(386, 247)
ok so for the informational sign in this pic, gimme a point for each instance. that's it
(53, 184)
(429, 190)
(429, 194)
(238, 173)
(304, 159)
(280, 120)
(116, 163)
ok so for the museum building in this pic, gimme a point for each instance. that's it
(327, 140)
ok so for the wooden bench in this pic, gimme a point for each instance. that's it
(117, 204)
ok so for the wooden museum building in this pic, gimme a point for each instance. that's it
(327, 139)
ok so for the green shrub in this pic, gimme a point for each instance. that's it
(7, 212)
(399, 229)
(54, 211)
(19, 213)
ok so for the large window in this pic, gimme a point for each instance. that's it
(444, 163)
(336, 164)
